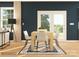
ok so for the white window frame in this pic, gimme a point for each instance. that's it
(2, 8)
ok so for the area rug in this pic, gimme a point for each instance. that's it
(42, 50)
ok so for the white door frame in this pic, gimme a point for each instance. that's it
(51, 13)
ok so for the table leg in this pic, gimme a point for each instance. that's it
(51, 41)
(32, 42)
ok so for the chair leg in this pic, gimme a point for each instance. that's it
(23, 46)
(37, 45)
(46, 44)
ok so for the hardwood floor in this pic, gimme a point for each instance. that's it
(70, 47)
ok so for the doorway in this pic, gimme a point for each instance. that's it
(54, 21)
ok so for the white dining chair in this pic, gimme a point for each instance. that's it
(27, 37)
(42, 36)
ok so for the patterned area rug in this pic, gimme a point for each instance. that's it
(42, 50)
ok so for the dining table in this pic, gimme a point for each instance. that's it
(50, 39)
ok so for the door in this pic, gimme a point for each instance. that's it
(53, 21)
(60, 25)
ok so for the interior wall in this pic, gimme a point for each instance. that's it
(29, 15)
(6, 4)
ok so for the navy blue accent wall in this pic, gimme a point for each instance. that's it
(29, 15)
(6, 4)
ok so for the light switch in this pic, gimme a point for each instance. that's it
(71, 23)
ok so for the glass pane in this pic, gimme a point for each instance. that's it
(11, 12)
(5, 12)
(11, 16)
(58, 24)
(5, 24)
(4, 17)
(58, 19)
(45, 21)
(59, 28)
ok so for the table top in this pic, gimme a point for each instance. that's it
(37, 31)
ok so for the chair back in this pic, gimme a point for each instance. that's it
(26, 34)
(42, 36)
(42, 30)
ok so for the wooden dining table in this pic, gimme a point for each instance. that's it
(50, 39)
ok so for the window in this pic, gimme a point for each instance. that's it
(6, 13)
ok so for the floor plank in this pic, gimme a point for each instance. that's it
(71, 48)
